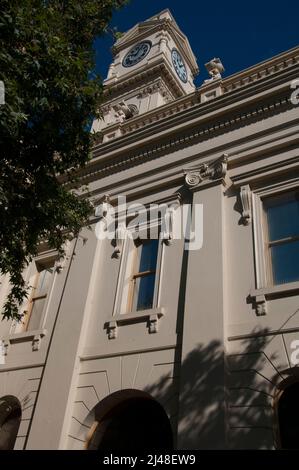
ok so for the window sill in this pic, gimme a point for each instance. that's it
(35, 336)
(260, 296)
(151, 316)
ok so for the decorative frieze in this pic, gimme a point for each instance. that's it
(258, 72)
(201, 132)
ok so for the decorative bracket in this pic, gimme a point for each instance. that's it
(167, 234)
(151, 316)
(120, 235)
(112, 330)
(61, 263)
(102, 209)
(36, 342)
(212, 171)
(4, 347)
(153, 323)
(260, 305)
(34, 337)
(245, 196)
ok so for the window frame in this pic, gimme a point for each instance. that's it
(262, 251)
(136, 274)
(123, 303)
(45, 259)
(44, 264)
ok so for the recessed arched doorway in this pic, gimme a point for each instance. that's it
(10, 419)
(130, 420)
(288, 417)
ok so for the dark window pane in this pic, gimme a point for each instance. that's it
(283, 217)
(285, 262)
(148, 258)
(10, 419)
(145, 291)
(288, 414)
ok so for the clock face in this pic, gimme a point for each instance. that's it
(137, 53)
(179, 65)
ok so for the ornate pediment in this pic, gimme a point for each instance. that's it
(145, 27)
(162, 21)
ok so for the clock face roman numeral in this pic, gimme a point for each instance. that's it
(179, 65)
(137, 53)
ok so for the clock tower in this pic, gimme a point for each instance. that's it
(153, 65)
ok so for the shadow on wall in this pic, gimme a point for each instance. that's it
(224, 403)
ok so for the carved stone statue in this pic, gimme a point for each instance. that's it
(214, 68)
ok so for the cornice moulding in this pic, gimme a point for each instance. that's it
(183, 125)
(263, 69)
(157, 180)
(222, 117)
(114, 86)
(99, 167)
(179, 121)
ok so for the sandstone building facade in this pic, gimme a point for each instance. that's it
(147, 342)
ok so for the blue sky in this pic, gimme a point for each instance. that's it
(241, 33)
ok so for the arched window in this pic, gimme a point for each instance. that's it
(10, 418)
(288, 417)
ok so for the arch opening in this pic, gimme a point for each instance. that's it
(288, 417)
(10, 419)
(130, 420)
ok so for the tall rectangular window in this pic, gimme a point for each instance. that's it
(41, 283)
(144, 274)
(282, 217)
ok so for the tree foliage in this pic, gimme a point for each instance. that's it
(46, 59)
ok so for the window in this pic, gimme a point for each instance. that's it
(144, 274)
(282, 237)
(138, 286)
(40, 283)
